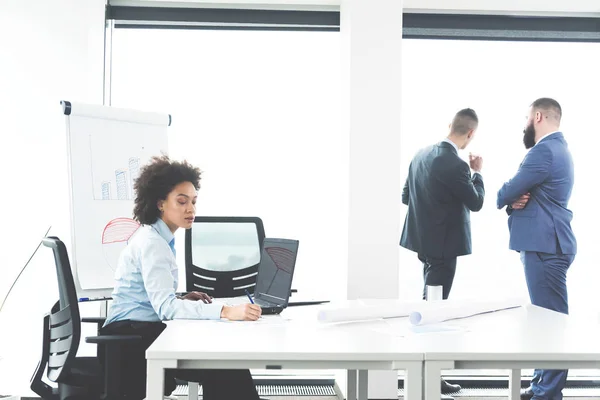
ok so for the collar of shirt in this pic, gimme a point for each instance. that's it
(163, 230)
(452, 143)
(545, 136)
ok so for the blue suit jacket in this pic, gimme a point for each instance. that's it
(544, 225)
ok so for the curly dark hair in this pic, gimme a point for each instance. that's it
(156, 180)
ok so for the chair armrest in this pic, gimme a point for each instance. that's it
(97, 320)
(114, 349)
(112, 339)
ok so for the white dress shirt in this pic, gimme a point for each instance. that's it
(545, 136)
(452, 143)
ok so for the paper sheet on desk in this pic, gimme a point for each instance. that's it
(421, 330)
(232, 301)
(436, 328)
(446, 310)
(273, 320)
(400, 327)
(387, 331)
(264, 320)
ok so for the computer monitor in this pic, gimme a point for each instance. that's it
(275, 271)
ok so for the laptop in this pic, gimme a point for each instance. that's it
(275, 273)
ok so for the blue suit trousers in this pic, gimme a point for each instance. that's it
(546, 276)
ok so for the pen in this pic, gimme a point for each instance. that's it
(94, 298)
(248, 294)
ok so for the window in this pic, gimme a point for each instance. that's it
(499, 80)
(259, 113)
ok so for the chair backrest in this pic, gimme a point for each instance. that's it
(64, 328)
(222, 255)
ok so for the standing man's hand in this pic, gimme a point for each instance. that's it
(521, 202)
(476, 162)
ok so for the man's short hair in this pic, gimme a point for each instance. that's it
(464, 121)
(550, 106)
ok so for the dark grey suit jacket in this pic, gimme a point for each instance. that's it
(440, 193)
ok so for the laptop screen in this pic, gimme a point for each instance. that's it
(276, 270)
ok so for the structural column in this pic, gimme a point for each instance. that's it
(371, 34)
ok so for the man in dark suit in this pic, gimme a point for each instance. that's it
(539, 222)
(440, 193)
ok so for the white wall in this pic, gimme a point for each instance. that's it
(371, 94)
(50, 53)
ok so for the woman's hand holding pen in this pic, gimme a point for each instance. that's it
(242, 312)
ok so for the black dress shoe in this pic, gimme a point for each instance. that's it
(526, 394)
(449, 388)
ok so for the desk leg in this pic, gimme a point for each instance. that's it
(413, 381)
(352, 385)
(433, 374)
(155, 381)
(193, 389)
(514, 384)
(363, 384)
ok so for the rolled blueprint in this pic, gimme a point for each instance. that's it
(360, 310)
(445, 310)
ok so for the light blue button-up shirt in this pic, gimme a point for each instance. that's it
(147, 278)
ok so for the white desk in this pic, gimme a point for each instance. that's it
(526, 337)
(277, 343)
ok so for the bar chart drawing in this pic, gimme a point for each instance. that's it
(114, 179)
(134, 170)
(122, 181)
(105, 190)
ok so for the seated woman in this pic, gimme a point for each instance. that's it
(146, 280)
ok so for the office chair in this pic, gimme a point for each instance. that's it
(77, 377)
(221, 284)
